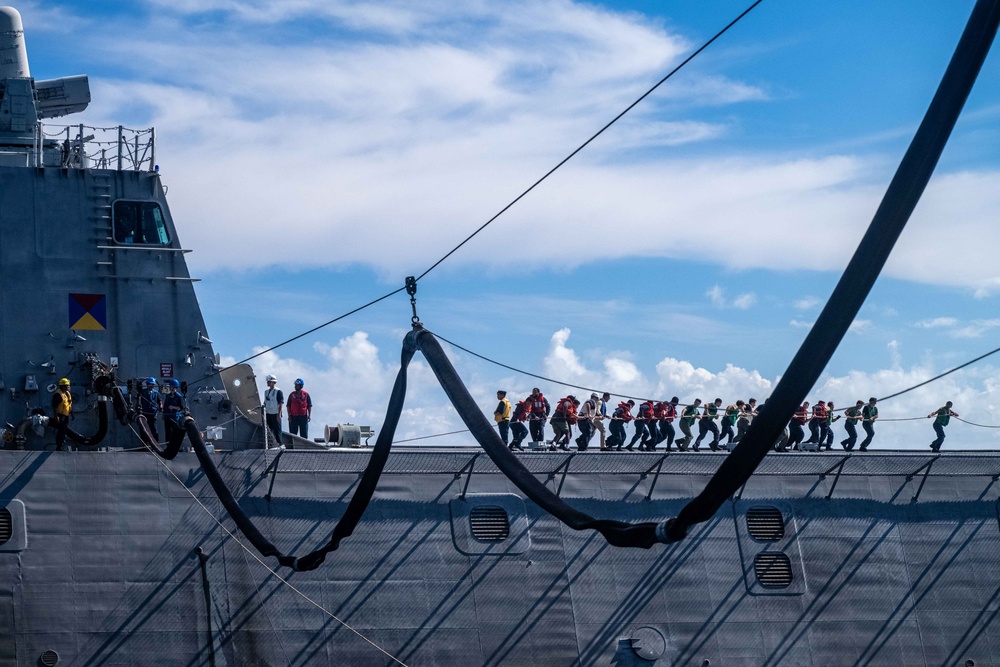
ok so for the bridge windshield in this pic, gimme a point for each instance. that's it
(139, 222)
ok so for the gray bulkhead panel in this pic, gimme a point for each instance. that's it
(112, 536)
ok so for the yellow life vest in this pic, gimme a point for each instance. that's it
(63, 403)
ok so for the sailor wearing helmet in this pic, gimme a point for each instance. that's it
(150, 404)
(62, 406)
(274, 402)
(300, 407)
(174, 407)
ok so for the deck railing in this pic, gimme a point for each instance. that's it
(85, 146)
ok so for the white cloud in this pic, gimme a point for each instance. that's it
(717, 296)
(798, 324)
(860, 326)
(422, 129)
(807, 303)
(975, 328)
(354, 380)
(937, 322)
(745, 301)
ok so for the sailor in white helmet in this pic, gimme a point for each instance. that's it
(274, 402)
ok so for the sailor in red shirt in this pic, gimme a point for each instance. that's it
(621, 416)
(668, 413)
(795, 430)
(819, 416)
(539, 414)
(300, 407)
(520, 415)
(564, 415)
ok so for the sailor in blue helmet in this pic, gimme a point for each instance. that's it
(150, 404)
(300, 407)
(174, 407)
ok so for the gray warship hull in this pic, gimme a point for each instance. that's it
(890, 562)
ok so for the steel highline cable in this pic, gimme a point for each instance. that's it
(519, 197)
(538, 377)
(304, 333)
(594, 136)
(643, 398)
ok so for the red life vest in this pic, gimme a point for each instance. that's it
(298, 404)
(646, 410)
(520, 412)
(658, 410)
(819, 411)
(626, 412)
(669, 412)
(801, 415)
(538, 404)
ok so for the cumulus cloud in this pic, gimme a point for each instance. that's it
(353, 381)
(717, 295)
(976, 328)
(807, 303)
(429, 118)
(956, 329)
(745, 301)
(937, 322)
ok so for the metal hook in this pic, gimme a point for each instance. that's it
(411, 289)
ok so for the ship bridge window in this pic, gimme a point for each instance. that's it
(140, 223)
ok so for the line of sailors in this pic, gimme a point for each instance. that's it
(653, 422)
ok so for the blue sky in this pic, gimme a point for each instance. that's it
(316, 153)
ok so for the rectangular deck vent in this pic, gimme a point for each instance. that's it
(765, 523)
(773, 569)
(13, 534)
(770, 554)
(6, 525)
(489, 523)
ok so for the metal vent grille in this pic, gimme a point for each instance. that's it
(6, 525)
(489, 523)
(50, 658)
(773, 569)
(765, 524)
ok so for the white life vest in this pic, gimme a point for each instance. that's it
(271, 401)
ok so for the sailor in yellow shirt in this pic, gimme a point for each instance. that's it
(62, 406)
(502, 415)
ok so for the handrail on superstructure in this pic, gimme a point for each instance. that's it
(90, 147)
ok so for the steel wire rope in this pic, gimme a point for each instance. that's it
(256, 557)
(594, 136)
(435, 435)
(576, 386)
(938, 377)
(520, 196)
(301, 335)
(263, 606)
(522, 372)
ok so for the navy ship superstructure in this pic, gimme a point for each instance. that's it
(93, 268)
